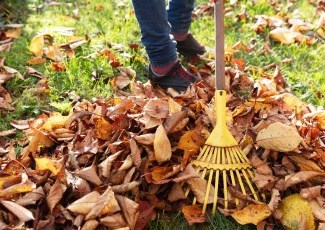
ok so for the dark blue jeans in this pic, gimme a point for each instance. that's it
(157, 23)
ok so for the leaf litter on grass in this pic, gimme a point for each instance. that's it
(104, 164)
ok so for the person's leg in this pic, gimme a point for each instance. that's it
(164, 69)
(155, 30)
(179, 14)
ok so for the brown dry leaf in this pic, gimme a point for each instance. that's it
(157, 108)
(283, 35)
(130, 209)
(7, 132)
(252, 214)
(176, 193)
(127, 163)
(145, 139)
(38, 141)
(89, 174)
(106, 204)
(44, 163)
(301, 176)
(22, 213)
(115, 221)
(122, 188)
(85, 203)
(90, 224)
(275, 200)
(103, 129)
(305, 164)
(7, 181)
(55, 195)
(198, 187)
(162, 147)
(122, 81)
(146, 213)
(149, 122)
(36, 61)
(293, 208)
(58, 66)
(174, 107)
(106, 166)
(31, 197)
(190, 141)
(188, 173)
(36, 45)
(311, 192)
(53, 53)
(261, 166)
(193, 214)
(279, 137)
(318, 211)
(135, 153)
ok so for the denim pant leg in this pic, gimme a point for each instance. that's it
(155, 31)
(179, 15)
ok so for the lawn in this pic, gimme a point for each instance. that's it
(111, 25)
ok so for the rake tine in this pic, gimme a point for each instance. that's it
(237, 171)
(233, 182)
(207, 193)
(216, 186)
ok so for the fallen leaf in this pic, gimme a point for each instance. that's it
(293, 207)
(318, 211)
(106, 204)
(299, 177)
(283, 35)
(193, 214)
(130, 210)
(84, 204)
(36, 45)
(90, 174)
(44, 163)
(157, 108)
(252, 214)
(55, 195)
(22, 213)
(146, 213)
(305, 164)
(162, 147)
(198, 187)
(176, 193)
(90, 224)
(115, 221)
(279, 137)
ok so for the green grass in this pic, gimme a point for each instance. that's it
(112, 24)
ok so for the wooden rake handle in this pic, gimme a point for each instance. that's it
(219, 31)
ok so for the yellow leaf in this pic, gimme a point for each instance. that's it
(174, 107)
(55, 121)
(36, 45)
(103, 128)
(252, 214)
(44, 163)
(294, 209)
(283, 35)
(187, 143)
(279, 137)
(161, 144)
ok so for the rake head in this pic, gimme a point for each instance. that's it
(223, 166)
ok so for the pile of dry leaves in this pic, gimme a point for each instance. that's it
(115, 162)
